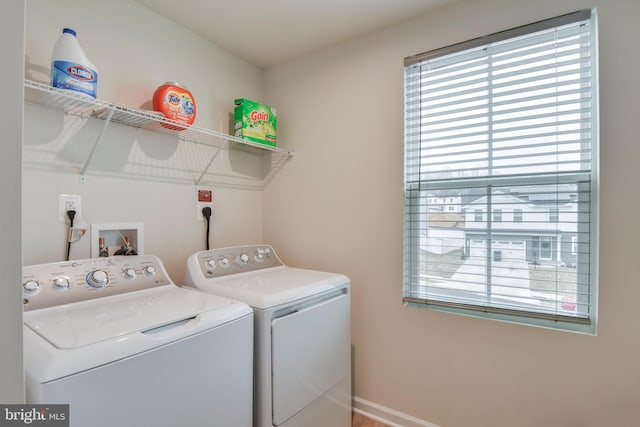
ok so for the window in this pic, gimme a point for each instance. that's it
(545, 248)
(517, 215)
(509, 123)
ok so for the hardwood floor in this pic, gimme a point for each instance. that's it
(359, 420)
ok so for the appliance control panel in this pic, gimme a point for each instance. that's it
(48, 285)
(238, 259)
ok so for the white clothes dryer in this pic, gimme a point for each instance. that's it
(302, 333)
(122, 345)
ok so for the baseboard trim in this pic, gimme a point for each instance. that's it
(386, 415)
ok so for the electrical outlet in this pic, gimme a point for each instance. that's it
(69, 202)
(204, 198)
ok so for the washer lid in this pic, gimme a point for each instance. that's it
(85, 323)
(272, 286)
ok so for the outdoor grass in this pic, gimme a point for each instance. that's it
(543, 278)
(553, 279)
(444, 265)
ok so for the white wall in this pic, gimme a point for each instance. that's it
(11, 34)
(339, 207)
(135, 51)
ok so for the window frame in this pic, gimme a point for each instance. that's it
(530, 318)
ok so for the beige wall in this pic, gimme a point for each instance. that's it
(135, 51)
(338, 207)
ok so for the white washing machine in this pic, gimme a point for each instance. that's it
(302, 333)
(122, 345)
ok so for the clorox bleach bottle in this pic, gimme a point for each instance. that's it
(70, 67)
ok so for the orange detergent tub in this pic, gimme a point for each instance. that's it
(176, 103)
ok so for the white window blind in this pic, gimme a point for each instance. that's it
(504, 128)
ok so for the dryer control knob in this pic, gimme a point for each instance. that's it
(211, 264)
(60, 283)
(150, 270)
(224, 262)
(259, 257)
(243, 259)
(31, 287)
(97, 279)
(130, 273)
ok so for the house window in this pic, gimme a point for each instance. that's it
(545, 248)
(517, 215)
(509, 123)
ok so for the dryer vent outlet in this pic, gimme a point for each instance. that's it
(204, 199)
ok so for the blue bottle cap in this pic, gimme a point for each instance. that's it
(69, 31)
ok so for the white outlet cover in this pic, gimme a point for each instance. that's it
(62, 206)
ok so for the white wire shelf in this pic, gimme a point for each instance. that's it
(213, 142)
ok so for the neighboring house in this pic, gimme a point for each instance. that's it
(537, 227)
(443, 202)
(445, 232)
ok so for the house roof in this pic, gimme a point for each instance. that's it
(506, 198)
(536, 198)
(446, 220)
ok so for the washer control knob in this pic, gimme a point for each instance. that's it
(224, 262)
(211, 264)
(97, 279)
(60, 283)
(150, 270)
(130, 273)
(259, 257)
(243, 259)
(31, 287)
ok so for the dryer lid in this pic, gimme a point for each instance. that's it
(84, 323)
(271, 287)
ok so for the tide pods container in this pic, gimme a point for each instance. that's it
(176, 103)
(255, 122)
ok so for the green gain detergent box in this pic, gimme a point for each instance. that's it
(254, 121)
